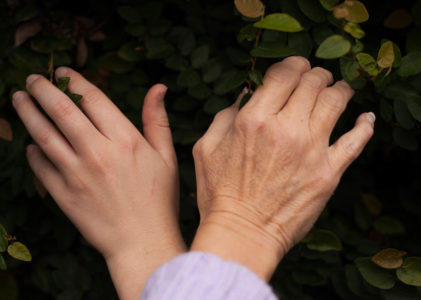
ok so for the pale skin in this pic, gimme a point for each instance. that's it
(264, 172)
(119, 187)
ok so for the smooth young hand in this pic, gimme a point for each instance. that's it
(118, 187)
(265, 172)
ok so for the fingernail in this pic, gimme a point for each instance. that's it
(31, 78)
(17, 97)
(371, 117)
(62, 72)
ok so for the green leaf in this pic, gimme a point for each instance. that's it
(374, 275)
(176, 62)
(157, 48)
(130, 14)
(63, 83)
(333, 47)
(308, 277)
(247, 33)
(389, 258)
(329, 4)
(250, 8)
(272, 50)
(352, 10)
(406, 139)
(200, 91)
(414, 107)
(215, 104)
(323, 240)
(386, 55)
(3, 265)
(410, 64)
(368, 63)
(19, 251)
(235, 81)
(389, 225)
(410, 272)
(130, 52)
(313, 10)
(188, 78)
(75, 97)
(212, 71)
(301, 42)
(256, 76)
(386, 110)
(349, 68)
(358, 47)
(113, 62)
(402, 114)
(200, 56)
(280, 22)
(355, 30)
(3, 241)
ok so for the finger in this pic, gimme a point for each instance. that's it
(304, 97)
(155, 123)
(351, 144)
(45, 171)
(74, 125)
(54, 145)
(330, 104)
(102, 112)
(279, 82)
(223, 121)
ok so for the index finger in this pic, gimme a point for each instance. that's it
(74, 125)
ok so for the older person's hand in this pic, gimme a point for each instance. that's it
(118, 187)
(265, 173)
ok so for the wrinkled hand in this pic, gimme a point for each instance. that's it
(119, 188)
(265, 173)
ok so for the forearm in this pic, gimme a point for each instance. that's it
(130, 269)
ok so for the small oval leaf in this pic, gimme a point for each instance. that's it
(352, 10)
(19, 251)
(386, 55)
(410, 272)
(333, 47)
(279, 22)
(323, 240)
(250, 8)
(374, 275)
(3, 265)
(389, 258)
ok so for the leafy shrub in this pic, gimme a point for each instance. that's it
(365, 245)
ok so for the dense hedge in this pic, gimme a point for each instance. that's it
(201, 50)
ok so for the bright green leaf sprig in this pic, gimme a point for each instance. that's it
(62, 84)
(15, 249)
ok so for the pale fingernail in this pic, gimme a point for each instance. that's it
(17, 98)
(371, 117)
(62, 71)
(31, 78)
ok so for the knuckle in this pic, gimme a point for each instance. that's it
(44, 137)
(250, 122)
(333, 99)
(197, 148)
(326, 73)
(300, 61)
(92, 96)
(313, 80)
(63, 108)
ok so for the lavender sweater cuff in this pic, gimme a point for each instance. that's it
(200, 275)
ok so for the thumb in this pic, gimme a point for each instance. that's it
(156, 127)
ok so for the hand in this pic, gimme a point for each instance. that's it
(119, 188)
(265, 173)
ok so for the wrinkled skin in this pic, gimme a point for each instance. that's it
(265, 172)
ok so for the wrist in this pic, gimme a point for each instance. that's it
(233, 237)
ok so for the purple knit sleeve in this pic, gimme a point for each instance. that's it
(199, 275)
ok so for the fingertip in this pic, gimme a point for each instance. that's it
(62, 72)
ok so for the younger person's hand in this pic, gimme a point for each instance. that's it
(118, 187)
(265, 173)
